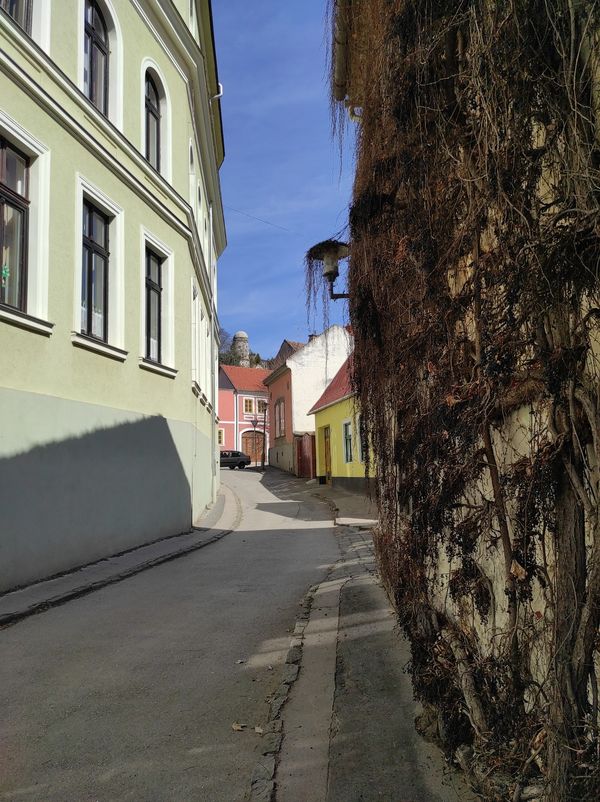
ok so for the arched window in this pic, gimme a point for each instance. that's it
(152, 123)
(95, 63)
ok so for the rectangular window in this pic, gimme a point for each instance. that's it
(94, 274)
(280, 418)
(19, 10)
(248, 406)
(262, 407)
(14, 213)
(153, 306)
(347, 434)
(221, 436)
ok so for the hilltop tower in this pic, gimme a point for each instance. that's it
(241, 349)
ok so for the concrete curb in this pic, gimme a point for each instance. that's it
(262, 783)
(87, 586)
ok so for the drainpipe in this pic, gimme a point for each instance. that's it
(213, 359)
(236, 425)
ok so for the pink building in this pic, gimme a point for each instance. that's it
(243, 411)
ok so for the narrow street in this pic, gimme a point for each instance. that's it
(130, 693)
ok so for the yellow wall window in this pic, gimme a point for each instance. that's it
(248, 405)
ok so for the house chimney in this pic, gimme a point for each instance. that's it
(241, 349)
(311, 337)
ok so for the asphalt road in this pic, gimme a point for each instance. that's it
(130, 693)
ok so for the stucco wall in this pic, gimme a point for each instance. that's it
(281, 388)
(335, 416)
(313, 368)
(282, 456)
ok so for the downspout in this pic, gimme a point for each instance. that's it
(236, 432)
(213, 360)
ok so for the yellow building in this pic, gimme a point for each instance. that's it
(340, 458)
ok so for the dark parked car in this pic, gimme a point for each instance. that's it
(234, 459)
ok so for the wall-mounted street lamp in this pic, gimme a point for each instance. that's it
(328, 254)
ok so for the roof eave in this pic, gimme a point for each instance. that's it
(316, 408)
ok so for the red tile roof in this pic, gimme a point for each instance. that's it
(339, 387)
(249, 379)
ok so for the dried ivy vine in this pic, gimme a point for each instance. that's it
(475, 304)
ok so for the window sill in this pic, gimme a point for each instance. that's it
(16, 318)
(155, 367)
(90, 344)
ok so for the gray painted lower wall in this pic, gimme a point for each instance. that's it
(79, 482)
(282, 456)
(355, 484)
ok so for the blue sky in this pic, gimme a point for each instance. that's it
(281, 164)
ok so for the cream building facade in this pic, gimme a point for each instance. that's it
(111, 224)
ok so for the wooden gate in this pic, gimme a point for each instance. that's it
(252, 445)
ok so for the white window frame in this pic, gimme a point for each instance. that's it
(38, 237)
(149, 65)
(251, 400)
(115, 344)
(41, 17)
(347, 426)
(167, 305)
(115, 65)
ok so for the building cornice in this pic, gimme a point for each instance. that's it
(195, 56)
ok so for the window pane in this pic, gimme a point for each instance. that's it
(12, 256)
(88, 12)
(98, 24)
(17, 10)
(153, 327)
(98, 93)
(98, 281)
(84, 290)
(153, 268)
(97, 230)
(87, 47)
(16, 172)
(152, 154)
(151, 93)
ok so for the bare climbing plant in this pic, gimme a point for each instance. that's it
(475, 304)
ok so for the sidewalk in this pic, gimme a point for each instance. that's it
(347, 720)
(217, 522)
(350, 509)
